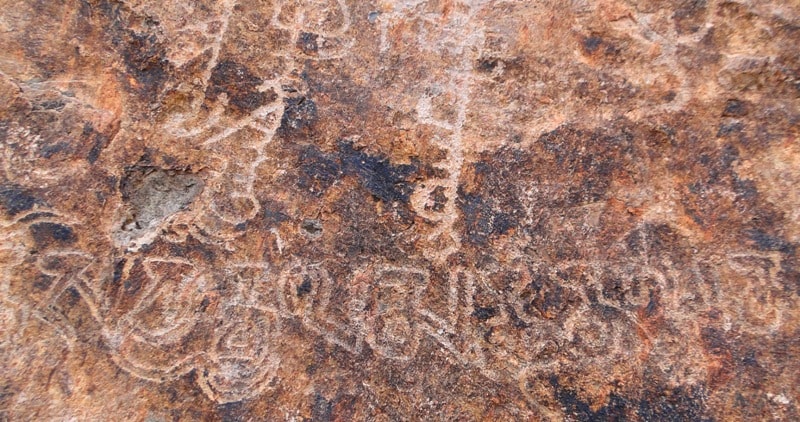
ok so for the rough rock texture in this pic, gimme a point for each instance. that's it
(400, 210)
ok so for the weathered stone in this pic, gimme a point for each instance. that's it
(410, 210)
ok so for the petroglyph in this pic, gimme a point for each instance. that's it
(434, 210)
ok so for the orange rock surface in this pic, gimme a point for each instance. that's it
(335, 210)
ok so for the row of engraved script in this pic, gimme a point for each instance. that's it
(389, 309)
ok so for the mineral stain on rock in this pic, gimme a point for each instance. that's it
(483, 219)
(240, 86)
(16, 199)
(144, 58)
(313, 228)
(299, 115)
(377, 175)
(665, 405)
(387, 182)
(307, 42)
(318, 170)
(437, 200)
(45, 233)
(416, 210)
(140, 50)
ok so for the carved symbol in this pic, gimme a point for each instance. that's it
(306, 293)
(393, 295)
(165, 313)
(241, 364)
(452, 330)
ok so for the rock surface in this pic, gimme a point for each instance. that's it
(400, 210)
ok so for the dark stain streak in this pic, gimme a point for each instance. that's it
(657, 404)
(727, 129)
(383, 180)
(735, 108)
(300, 114)
(119, 266)
(304, 288)
(145, 59)
(322, 410)
(767, 242)
(484, 313)
(143, 55)
(98, 140)
(482, 218)
(46, 233)
(56, 105)
(36, 216)
(653, 305)
(240, 85)
(273, 212)
(437, 200)
(487, 65)
(231, 412)
(312, 227)
(591, 44)
(307, 43)
(15, 199)
(48, 151)
(318, 171)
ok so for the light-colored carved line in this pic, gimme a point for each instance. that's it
(62, 328)
(265, 365)
(63, 281)
(148, 295)
(222, 397)
(247, 180)
(545, 412)
(345, 17)
(155, 374)
(456, 312)
(766, 283)
(216, 46)
(417, 292)
(175, 331)
(275, 106)
(668, 58)
(174, 128)
(460, 86)
(21, 313)
(308, 317)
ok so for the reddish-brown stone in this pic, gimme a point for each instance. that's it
(399, 210)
